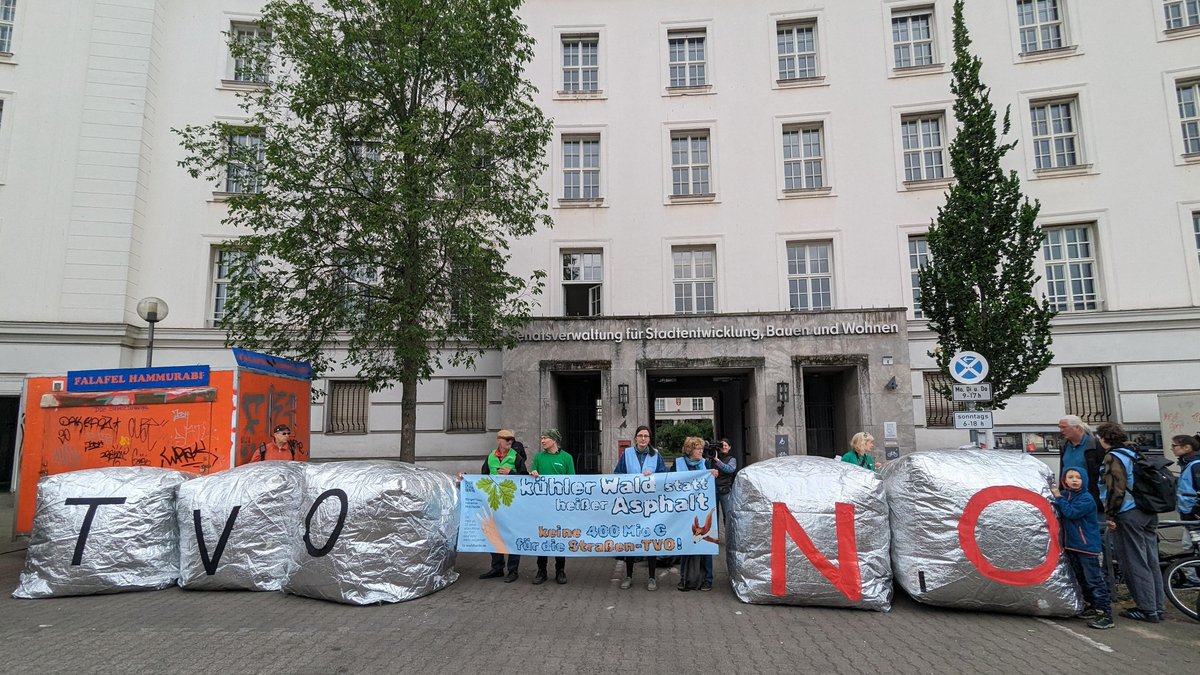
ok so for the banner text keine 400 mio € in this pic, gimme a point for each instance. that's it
(617, 515)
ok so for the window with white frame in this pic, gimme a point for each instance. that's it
(810, 276)
(1196, 232)
(918, 259)
(466, 405)
(697, 404)
(581, 63)
(347, 407)
(803, 157)
(687, 61)
(1188, 95)
(581, 168)
(1182, 13)
(912, 37)
(8, 19)
(1069, 254)
(583, 279)
(1055, 133)
(358, 284)
(250, 57)
(796, 49)
(1040, 23)
(695, 276)
(660, 405)
(224, 259)
(246, 155)
(923, 142)
(690, 164)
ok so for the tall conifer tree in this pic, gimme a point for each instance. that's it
(977, 290)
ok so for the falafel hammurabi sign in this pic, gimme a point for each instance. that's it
(609, 515)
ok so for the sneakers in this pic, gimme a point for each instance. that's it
(1140, 615)
(1091, 614)
(652, 585)
(706, 586)
(512, 576)
(560, 577)
(681, 586)
(627, 583)
(539, 578)
(492, 574)
(1103, 623)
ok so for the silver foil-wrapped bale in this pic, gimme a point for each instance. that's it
(809, 531)
(103, 531)
(374, 532)
(237, 527)
(974, 529)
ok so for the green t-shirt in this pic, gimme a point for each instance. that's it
(557, 464)
(865, 461)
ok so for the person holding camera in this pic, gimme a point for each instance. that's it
(726, 465)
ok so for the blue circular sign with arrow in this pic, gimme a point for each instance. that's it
(969, 367)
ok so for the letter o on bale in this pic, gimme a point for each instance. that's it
(970, 545)
(374, 532)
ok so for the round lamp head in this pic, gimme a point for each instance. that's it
(152, 309)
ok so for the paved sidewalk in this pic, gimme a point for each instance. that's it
(588, 625)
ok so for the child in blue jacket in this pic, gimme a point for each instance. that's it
(1081, 541)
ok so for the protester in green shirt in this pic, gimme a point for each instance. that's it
(860, 451)
(552, 461)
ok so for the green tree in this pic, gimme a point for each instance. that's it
(977, 290)
(669, 437)
(379, 178)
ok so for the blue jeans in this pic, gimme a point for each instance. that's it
(1091, 580)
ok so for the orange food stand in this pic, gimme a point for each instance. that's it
(186, 418)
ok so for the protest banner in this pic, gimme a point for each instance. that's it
(610, 515)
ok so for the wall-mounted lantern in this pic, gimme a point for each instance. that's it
(623, 398)
(781, 395)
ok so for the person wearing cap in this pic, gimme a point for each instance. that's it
(281, 446)
(552, 461)
(504, 460)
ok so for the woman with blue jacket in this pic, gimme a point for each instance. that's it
(645, 459)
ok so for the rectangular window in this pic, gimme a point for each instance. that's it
(466, 405)
(581, 168)
(796, 45)
(358, 286)
(803, 158)
(686, 58)
(924, 144)
(918, 258)
(1055, 134)
(246, 155)
(583, 278)
(581, 63)
(810, 276)
(697, 404)
(8, 19)
(1188, 94)
(251, 63)
(939, 409)
(1041, 25)
(695, 275)
(1070, 268)
(912, 37)
(222, 276)
(690, 164)
(1196, 231)
(660, 405)
(1086, 394)
(1182, 13)
(347, 405)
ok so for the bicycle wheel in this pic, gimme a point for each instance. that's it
(1181, 581)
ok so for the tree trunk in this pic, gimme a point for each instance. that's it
(408, 416)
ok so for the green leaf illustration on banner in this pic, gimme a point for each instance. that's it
(486, 484)
(493, 500)
(508, 490)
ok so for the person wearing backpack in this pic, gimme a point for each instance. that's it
(1135, 532)
(1187, 453)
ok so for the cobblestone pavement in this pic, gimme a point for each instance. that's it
(588, 625)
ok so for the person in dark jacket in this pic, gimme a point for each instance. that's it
(1081, 541)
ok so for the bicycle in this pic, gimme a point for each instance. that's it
(1181, 570)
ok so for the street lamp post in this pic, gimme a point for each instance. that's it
(152, 310)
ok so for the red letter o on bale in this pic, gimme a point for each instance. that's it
(970, 520)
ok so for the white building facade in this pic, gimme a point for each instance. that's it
(738, 161)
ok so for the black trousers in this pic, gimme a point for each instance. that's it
(560, 563)
(498, 562)
(651, 564)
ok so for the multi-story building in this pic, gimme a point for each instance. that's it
(739, 190)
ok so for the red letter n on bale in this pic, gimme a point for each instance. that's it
(845, 577)
(970, 521)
